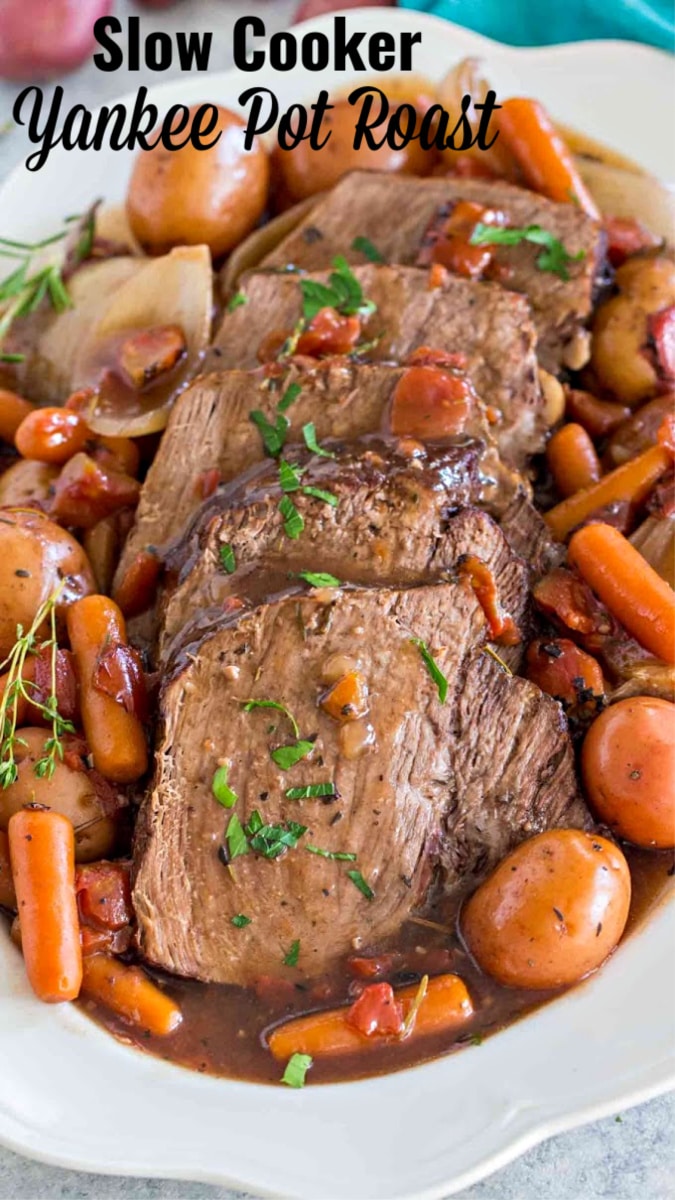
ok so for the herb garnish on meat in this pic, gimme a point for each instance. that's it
(343, 292)
(296, 1070)
(433, 669)
(318, 579)
(310, 791)
(236, 301)
(337, 855)
(284, 756)
(321, 494)
(226, 558)
(289, 397)
(221, 789)
(290, 959)
(554, 257)
(309, 434)
(240, 921)
(289, 476)
(359, 882)
(363, 245)
(272, 840)
(294, 522)
(273, 435)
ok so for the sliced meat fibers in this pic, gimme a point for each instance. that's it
(415, 783)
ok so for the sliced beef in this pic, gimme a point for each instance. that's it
(529, 536)
(395, 213)
(419, 784)
(490, 326)
(210, 437)
(396, 522)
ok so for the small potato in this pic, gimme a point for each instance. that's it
(35, 557)
(621, 330)
(304, 172)
(628, 768)
(552, 911)
(68, 792)
(190, 197)
(26, 481)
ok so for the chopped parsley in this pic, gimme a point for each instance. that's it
(272, 840)
(226, 557)
(320, 494)
(296, 1070)
(343, 292)
(359, 882)
(294, 522)
(289, 476)
(433, 669)
(310, 791)
(289, 397)
(309, 434)
(319, 579)
(249, 705)
(221, 789)
(363, 245)
(235, 838)
(290, 959)
(336, 855)
(240, 921)
(236, 301)
(273, 435)
(554, 257)
(287, 756)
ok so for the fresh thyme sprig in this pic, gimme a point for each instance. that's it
(22, 292)
(16, 689)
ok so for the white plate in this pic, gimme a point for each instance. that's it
(71, 1095)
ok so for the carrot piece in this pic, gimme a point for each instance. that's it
(632, 482)
(542, 155)
(42, 853)
(347, 700)
(7, 893)
(598, 417)
(13, 410)
(628, 585)
(137, 588)
(128, 992)
(446, 1006)
(116, 737)
(572, 460)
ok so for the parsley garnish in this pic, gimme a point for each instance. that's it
(289, 476)
(221, 790)
(272, 840)
(240, 920)
(309, 434)
(359, 882)
(320, 494)
(318, 579)
(226, 557)
(554, 257)
(287, 756)
(273, 436)
(294, 522)
(343, 292)
(363, 245)
(236, 301)
(296, 1069)
(290, 959)
(433, 669)
(249, 705)
(235, 838)
(310, 791)
(337, 855)
(289, 397)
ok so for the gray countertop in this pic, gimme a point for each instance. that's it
(631, 1157)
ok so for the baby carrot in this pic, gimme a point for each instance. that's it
(628, 585)
(632, 481)
(129, 993)
(572, 460)
(115, 736)
(598, 417)
(544, 159)
(446, 1006)
(13, 409)
(7, 893)
(42, 853)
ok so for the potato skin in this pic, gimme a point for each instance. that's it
(25, 481)
(303, 172)
(69, 792)
(35, 556)
(621, 329)
(628, 769)
(190, 197)
(551, 912)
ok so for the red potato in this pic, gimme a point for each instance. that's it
(551, 912)
(39, 38)
(628, 768)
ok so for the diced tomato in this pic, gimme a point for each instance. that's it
(144, 356)
(662, 330)
(347, 700)
(329, 333)
(85, 492)
(365, 967)
(429, 356)
(564, 671)
(626, 236)
(377, 1011)
(66, 681)
(274, 991)
(104, 895)
(430, 403)
(438, 276)
(137, 589)
(448, 239)
(501, 625)
(119, 674)
(565, 598)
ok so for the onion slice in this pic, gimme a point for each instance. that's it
(249, 253)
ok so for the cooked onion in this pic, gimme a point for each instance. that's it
(466, 79)
(262, 242)
(176, 289)
(621, 193)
